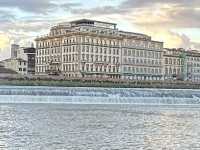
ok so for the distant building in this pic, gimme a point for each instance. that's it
(174, 64)
(16, 64)
(141, 58)
(5, 71)
(95, 49)
(182, 65)
(14, 49)
(193, 65)
(22, 61)
(28, 54)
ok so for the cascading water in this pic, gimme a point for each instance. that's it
(15, 94)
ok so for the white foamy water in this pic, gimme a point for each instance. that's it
(14, 94)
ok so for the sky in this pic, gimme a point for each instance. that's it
(174, 22)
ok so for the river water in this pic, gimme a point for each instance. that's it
(85, 126)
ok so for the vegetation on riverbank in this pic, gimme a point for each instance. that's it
(99, 83)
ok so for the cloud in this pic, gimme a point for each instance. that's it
(170, 39)
(160, 20)
(23, 20)
(37, 6)
(4, 46)
(156, 17)
(4, 40)
(149, 3)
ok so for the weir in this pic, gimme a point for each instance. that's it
(86, 95)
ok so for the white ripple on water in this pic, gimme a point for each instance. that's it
(97, 127)
(98, 95)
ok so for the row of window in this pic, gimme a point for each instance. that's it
(193, 58)
(111, 51)
(22, 69)
(70, 58)
(70, 49)
(100, 68)
(48, 51)
(171, 71)
(74, 57)
(132, 61)
(95, 49)
(142, 70)
(70, 67)
(90, 68)
(91, 40)
(177, 61)
(100, 58)
(144, 44)
(84, 68)
(193, 64)
(142, 77)
(193, 70)
(72, 40)
(22, 63)
(174, 61)
(42, 60)
(102, 42)
(142, 53)
(44, 44)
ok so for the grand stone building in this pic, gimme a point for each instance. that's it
(193, 66)
(182, 65)
(94, 49)
(174, 64)
(28, 54)
(142, 58)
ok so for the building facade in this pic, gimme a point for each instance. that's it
(94, 49)
(174, 64)
(14, 49)
(180, 64)
(28, 54)
(142, 59)
(193, 66)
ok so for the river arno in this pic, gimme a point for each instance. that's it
(99, 127)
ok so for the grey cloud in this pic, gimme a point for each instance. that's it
(145, 3)
(99, 10)
(35, 6)
(6, 16)
(182, 13)
(39, 6)
(184, 18)
(188, 44)
(196, 45)
(70, 5)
